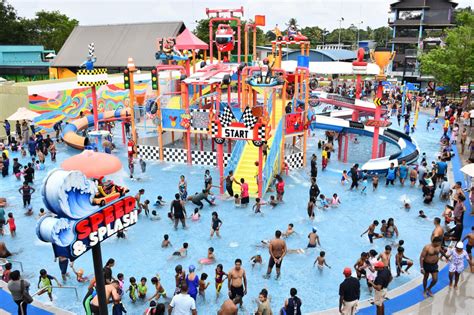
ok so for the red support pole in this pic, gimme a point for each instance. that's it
(355, 115)
(378, 110)
(358, 86)
(94, 108)
(220, 165)
(346, 148)
(339, 146)
(260, 177)
(229, 146)
(123, 132)
(202, 145)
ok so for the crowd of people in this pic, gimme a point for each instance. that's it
(376, 268)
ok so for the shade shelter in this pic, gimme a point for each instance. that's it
(187, 40)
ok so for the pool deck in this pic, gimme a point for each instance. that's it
(8, 306)
(446, 300)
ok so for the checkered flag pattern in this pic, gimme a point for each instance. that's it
(91, 50)
(248, 119)
(294, 161)
(226, 117)
(94, 77)
(261, 132)
(175, 155)
(148, 152)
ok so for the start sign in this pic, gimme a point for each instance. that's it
(102, 224)
(237, 133)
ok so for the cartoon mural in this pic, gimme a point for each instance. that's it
(66, 105)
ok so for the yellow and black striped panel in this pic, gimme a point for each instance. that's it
(92, 72)
(97, 83)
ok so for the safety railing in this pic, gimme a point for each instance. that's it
(4, 261)
(234, 159)
(273, 157)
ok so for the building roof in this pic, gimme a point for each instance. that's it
(187, 40)
(114, 44)
(404, 4)
(337, 54)
(23, 56)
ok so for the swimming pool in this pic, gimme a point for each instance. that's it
(339, 230)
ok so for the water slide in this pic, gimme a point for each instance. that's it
(70, 131)
(409, 150)
(246, 167)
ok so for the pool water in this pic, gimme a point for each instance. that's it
(339, 230)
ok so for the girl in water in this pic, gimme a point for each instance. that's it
(183, 188)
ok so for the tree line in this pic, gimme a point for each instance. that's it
(47, 28)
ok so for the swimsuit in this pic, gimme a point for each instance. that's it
(142, 290)
(219, 280)
(430, 268)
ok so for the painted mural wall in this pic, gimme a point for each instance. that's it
(67, 104)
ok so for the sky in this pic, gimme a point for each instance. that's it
(322, 13)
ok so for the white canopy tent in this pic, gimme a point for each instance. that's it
(23, 113)
(331, 67)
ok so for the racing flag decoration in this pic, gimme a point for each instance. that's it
(248, 119)
(226, 117)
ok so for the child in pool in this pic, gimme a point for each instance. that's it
(421, 214)
(145, 207)
(166, 242)
(196, 215)
(79, 273)
(159, 202)
(257, 206)
(142, 288)
(323, 201)
(257, 259)
(182, 252)
(133, 289)
(344, 177)
(321, 261)
(154, 216)
(121, 283)
(273, 202)
(335, 201)
(23, 152)
(203, 285)
(211, 258)
(406, 204)
(375, 182)
(159, 290)
(237, 200)
(41, 213)
(45, 283)
(289, 230)
(219, 278)
(11, 224)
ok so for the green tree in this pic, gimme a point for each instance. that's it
(10, 27)
(382, 35)
(53, 28)
(314, 34)
(453, 64)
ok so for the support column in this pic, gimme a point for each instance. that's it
(95, 109)
(260, 177)
(378, 110)
(229, 146)
(339, 146)
(346, 147)
(99, 279)
(220, 165)
(355, 115)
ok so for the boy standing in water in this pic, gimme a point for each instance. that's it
(45, 283)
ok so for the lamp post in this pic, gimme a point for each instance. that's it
(358, 29)
(340, 25)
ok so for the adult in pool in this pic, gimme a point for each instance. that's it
(229, 180)
(313, 239)
(237, 281)
(277, 249)
(429, 258)
(178, 212)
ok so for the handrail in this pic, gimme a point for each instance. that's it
(234, 159)
(17, 262)
(273, 156)
(35, 294)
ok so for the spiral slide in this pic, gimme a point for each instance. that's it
(70, 131)
(409, 150)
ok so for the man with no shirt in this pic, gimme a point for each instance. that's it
(438, 230)
(429, 258)
(229, 307)
(111, 295)
(277, 250)
(470, 245)
(237, 281)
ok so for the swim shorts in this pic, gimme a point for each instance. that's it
(234, 291)
(430, 268)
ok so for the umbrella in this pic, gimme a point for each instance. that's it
(468, 169)
(92, 164)
(23, 113)
(50, 55)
